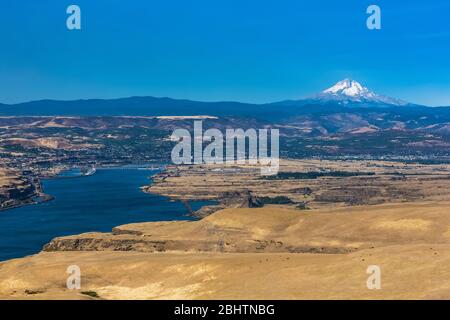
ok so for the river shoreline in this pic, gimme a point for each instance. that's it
(111, 197)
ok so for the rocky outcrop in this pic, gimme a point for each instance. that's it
(106, 244)
(241, 199)
(137, 244)
(20, 191)
(232, 199)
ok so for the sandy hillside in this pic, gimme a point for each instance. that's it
(8, 178)
(261, 253)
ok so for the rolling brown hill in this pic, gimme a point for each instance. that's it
(262, 253)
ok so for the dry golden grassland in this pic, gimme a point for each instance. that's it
(410, 243)
(397, 218)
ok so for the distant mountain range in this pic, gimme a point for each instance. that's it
(345, 119)
(132, 106)
(346, 106)
(345, 93)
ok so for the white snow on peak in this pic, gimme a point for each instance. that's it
(348, 90)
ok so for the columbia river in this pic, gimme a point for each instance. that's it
(108, 198)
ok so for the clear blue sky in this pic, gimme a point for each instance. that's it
(244, 50)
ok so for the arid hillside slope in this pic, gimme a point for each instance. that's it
(269, 252)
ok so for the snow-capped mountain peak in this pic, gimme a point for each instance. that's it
(347, 87)
(350, 91)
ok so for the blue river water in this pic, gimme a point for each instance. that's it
(99, 202)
